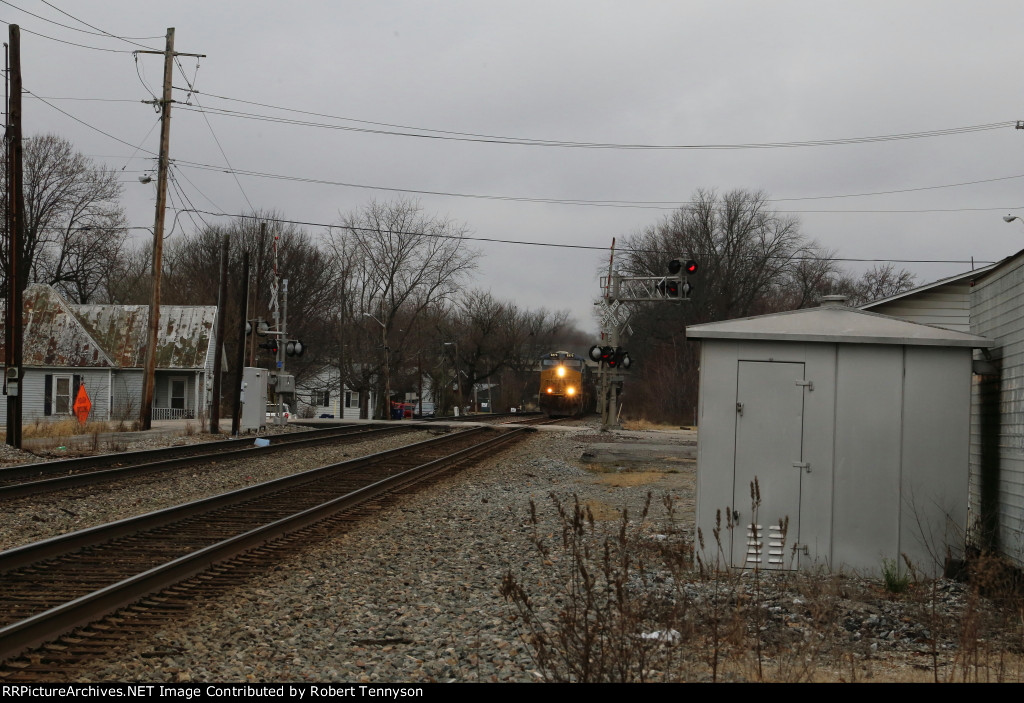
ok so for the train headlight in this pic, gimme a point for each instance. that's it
(561, 371)
(570, 390)
(551, 390)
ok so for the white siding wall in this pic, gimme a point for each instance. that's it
(127, 394)
(997, 409)
(946, 306)
(34, 391)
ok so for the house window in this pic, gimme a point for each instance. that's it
(322, 398)
(59, 393)
(348, 399)
(62, 400)
(178, 393)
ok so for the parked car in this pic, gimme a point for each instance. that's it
(272, 411)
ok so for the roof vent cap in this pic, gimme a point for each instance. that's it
(833, 301)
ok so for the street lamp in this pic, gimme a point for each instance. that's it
(1011, 218)
(387, 366)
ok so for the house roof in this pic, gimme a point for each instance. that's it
(184, 333)
(966, 275)
(53, 334)
(59, 334)
(837, 324)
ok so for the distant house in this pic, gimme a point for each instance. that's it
(320, 393)
(103, 347)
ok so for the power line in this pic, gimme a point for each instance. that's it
(214, 134)
(87, 100)
(423, 133)
(68, 26)
(643, 205)
(428, 133)
(181, 173)
(86, 124)
(102, 31)
(666, 205)
(492, 240)
(71, 43)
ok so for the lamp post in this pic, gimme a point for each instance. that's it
(387, 367)
(1011, 218)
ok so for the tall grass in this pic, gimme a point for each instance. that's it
(638, 600)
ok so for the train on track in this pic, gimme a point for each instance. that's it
(566, 388)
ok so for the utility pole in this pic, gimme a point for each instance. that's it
(236, 412)
(14, 332)
(146, 411)
(222, 309)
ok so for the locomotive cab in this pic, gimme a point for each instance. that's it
(562, 377)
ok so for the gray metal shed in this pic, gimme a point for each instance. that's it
(856, 427)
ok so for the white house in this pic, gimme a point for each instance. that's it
(103, 347)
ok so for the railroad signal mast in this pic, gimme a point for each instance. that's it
(619, 290)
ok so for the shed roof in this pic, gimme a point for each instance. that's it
(835, 324)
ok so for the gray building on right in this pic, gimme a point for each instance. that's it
(997, 409)
(994, 298)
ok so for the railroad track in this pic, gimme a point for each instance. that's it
(54, 586)
(46, 477)
(538, 420)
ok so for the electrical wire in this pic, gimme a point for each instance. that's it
(467, 238)
(184, 197)
(425, 133)
(71, 43)
(196, 188)
(669, 205)
(214, 134)
(643, 205)
(86, 100)
(86, 124)
(68, 26)
(112, 36)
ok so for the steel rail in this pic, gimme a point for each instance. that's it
(45, 626)
(181, 456)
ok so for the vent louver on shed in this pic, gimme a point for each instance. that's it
(755, 546)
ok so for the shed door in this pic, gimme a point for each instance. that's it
(769, 441)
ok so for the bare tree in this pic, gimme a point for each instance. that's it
(74, 223)
(879, 281)
(397, 262)
(752, 260)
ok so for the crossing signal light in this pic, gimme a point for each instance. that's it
(669, 287)
(674, 266)
(270, 346)
(619, 359)
(607, 355)
(691, 266)
(294, 347)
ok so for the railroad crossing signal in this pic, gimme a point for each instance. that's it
(619, 359)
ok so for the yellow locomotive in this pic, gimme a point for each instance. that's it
(564, 384)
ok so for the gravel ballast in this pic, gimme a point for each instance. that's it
(413, 593)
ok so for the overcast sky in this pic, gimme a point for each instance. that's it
(653, 73)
